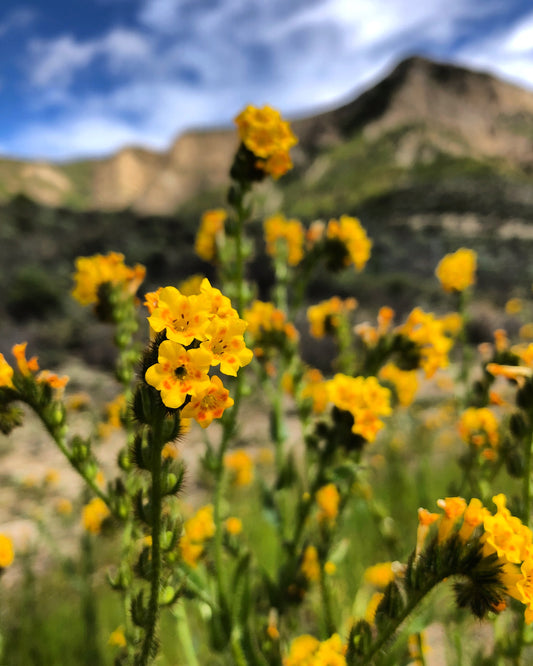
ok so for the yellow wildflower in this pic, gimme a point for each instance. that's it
(454, 508)
(456, 272)
(328, 500)
(514, 306)
(326, 316)
(372, 606)
(7, 552)
(287, 234)
(365, 399)
(184, 318)
(309, 651)
(92, 272)
(310, 566)
(117, 638)
(425, 520)
(428, 334)
(94, 514)
(348, 230)
(211, 226)
(268, 137)
(479, 426)
(6, 373)
(209, 403)
(330, 568)
(379, 575)
(63, 506)
(233, 525)
(25, 366)
(242, 466)
(179, 373)
(226, 344)
(405, 382)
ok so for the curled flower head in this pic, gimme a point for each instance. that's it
(349, 232)
(456, 272)
(267, 136)
(365, 399)
(429, 335)
(326, 316)
(92, 272)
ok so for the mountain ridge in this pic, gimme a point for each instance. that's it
(447, 107)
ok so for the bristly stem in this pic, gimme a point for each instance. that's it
(155, 571)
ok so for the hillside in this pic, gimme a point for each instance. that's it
(431, 158)
(438, 107)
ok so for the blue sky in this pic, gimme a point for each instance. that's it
(86, 77)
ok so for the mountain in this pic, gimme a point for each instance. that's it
(432, 158)
(439, 108)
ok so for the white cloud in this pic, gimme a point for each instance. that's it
(18, 18)
(55, 62)
(197, 62)
(507, 53)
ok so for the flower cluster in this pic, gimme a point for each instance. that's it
(268, 327)
(350, 234)
(93, 272)
(479, 427)
(202, 331)
(94, 514)
(456, 272)
(325, 317)
(307, 650)
(429, 335)
(284, 238)
(405, 382)
(265, 134)
(196, 531)
(241, 465)
(365, 399)
(506, 543)
(211, 226)
(26, 368)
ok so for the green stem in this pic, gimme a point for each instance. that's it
(155, 508)
(326, 603)
(526, 487)
(184, 633)
(393, 626)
